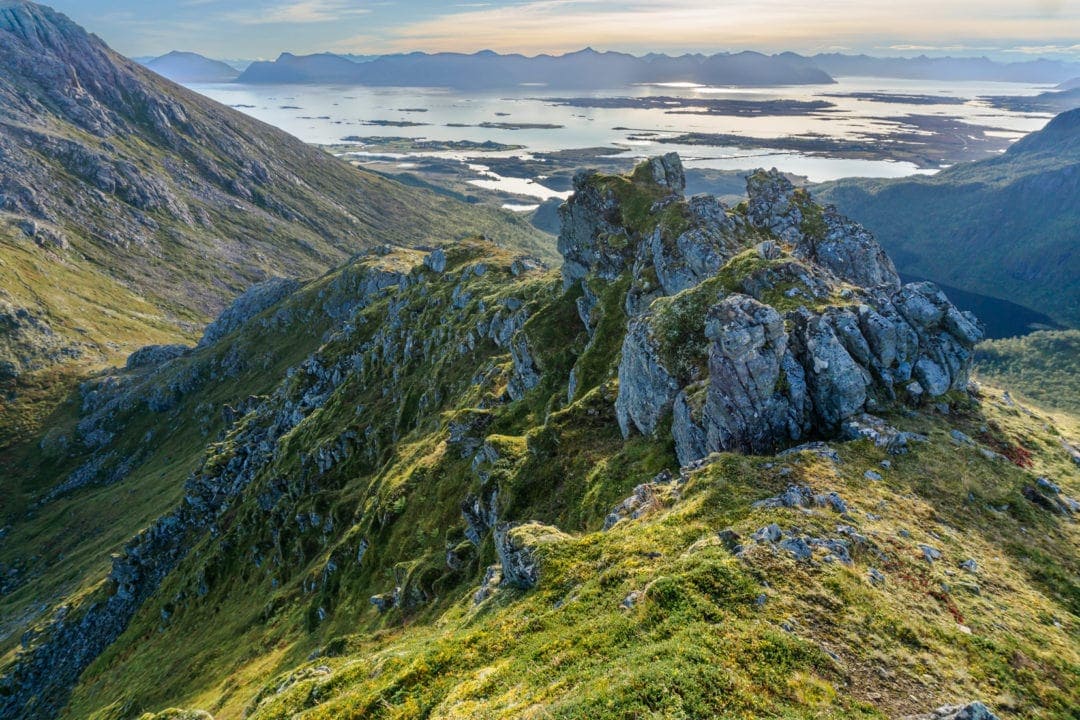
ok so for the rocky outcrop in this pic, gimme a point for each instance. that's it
(971, 711)
(647, 389)
(820, 235)
(153, 356)
(751, 344)
(518, 547)
(257, 298)
(29, 342)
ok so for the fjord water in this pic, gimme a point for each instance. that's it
(326, 114)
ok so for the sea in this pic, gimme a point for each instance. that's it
(326, 114)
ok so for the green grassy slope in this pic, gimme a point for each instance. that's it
(395, 412)
(695, 643)
(1005, 227)
(1043, 367)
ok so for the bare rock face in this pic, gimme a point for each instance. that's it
(650, 389)
(756, 391)
(256, 299)
(754, 330)
(599, 237)
(820, 235)
(593, 238)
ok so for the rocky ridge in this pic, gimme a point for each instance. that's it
(449, 431)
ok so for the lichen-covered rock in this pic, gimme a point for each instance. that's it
(436, 260)
(771, 205)
(697, 251)
(593, 238)
(850, 251)
(755, 389)
(836, 384)
(752, 344)
(647, 389)
(667, 171)
(518, 547)
(480, 515)
(971, 711)
(821, 235)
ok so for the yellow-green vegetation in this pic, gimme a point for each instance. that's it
(1043, 366)
(657, 617)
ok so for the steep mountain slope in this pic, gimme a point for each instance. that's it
(1008, 227)
(131, 209)
(189, 67)
(453, 484)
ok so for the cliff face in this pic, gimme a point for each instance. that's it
(454, 483)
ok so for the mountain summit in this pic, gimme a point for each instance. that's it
(188, 67)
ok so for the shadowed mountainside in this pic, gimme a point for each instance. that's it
(1005, 227)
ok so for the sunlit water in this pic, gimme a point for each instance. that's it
(327, 114)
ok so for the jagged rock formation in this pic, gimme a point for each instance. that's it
(781, 322)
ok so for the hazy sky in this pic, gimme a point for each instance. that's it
(263, 28)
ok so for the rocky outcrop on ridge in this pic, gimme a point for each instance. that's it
(753, 328)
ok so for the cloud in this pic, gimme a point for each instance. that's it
(1046, 49)
(539, 25)
(299, 12)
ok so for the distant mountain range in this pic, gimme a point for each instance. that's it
(187, 67)
(589, 69)
(946, 68)
(584, 69)
(1007, 227)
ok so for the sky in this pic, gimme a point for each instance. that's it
(258, 29)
